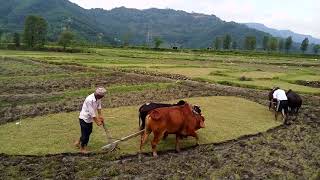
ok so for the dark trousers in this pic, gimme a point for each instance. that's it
(86, 130)
(282, 105)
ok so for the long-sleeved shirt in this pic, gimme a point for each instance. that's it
(89, 108)
(280, 95)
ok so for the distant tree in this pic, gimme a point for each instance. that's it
(6, 37)
(157, 42)
(16, 39)
(234, 45)
(1, 32)
(35, 31)
(316, 48)
(250, 42)
(288, 44)
(227, 42)
(304, 45)
(66, 38)
(126, 38)
(265, 43)
(273, 44)
(217, 43)
(281, 44)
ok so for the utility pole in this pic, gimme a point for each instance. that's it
(147, 36)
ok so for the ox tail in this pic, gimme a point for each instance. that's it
(141, 126)
(139, 120)
(142, 120)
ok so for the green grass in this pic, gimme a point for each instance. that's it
(226, 118)
(259, 80)
(120, 89)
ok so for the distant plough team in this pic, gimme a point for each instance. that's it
(284, 102)
(181, 119)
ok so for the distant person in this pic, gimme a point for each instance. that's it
(91, 105)
(282, 103)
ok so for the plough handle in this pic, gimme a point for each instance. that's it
(123, 139)
(107, 132)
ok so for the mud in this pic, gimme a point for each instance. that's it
(24, 95)
(285, 152)
(315, 84)
(71, 82)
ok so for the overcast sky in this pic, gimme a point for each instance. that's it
(296, 15)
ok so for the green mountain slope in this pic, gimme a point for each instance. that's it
(124, 25)
(58, 13)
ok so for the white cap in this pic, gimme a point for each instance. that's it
(101, 91)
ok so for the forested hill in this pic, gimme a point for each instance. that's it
(296, 37)
(121, 25)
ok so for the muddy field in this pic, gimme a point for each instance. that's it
(284, 152)
(30, 88)
(291, 152)
(315, 84)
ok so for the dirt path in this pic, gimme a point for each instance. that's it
(284, 152)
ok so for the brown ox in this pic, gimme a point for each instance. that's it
(181, 120)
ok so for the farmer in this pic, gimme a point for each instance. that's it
(282, 103)
(91, 105)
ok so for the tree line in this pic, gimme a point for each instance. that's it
(34, 35)
(269, 43)
(36, 28)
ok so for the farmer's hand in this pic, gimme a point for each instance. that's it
(99, 121)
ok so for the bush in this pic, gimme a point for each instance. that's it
(244, 78)
(217, 73)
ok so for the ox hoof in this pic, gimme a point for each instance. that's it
(140, 157)
(155, 155)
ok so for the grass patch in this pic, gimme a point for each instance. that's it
(256, 74)
(226, 118)
(120, 89)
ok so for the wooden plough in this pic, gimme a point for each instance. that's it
(112, 145)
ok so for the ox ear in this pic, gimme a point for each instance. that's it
(197, 109)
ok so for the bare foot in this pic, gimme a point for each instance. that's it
(77, 144)
(84, 150)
